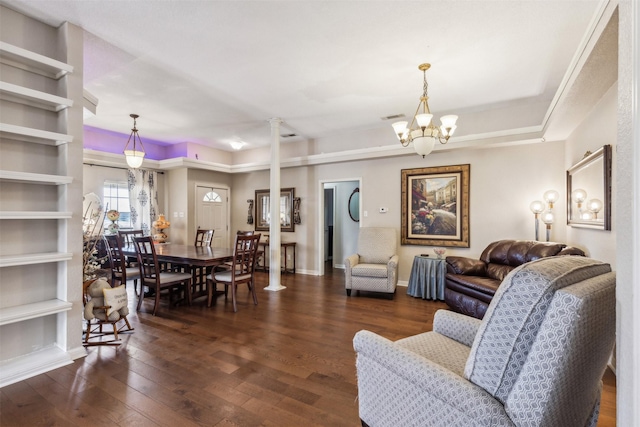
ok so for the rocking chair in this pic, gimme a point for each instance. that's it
(94, 333)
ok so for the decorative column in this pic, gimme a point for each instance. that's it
(274, 209)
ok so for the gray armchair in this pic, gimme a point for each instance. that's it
(536, 359)
(375, 266)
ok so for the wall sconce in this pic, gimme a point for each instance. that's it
(250, 212)
(537, 207)
(594, 206)
(296, 211)
(551, 196)
(548, 219)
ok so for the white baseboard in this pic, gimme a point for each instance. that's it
(30, 365)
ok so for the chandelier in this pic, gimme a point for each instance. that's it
(135, 155)
(425, 134)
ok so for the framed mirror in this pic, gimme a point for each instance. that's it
(354, 205)
(589, 191)
(263, 208)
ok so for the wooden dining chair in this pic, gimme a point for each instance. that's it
(127, 236)
(157, 280)
(241, 271)
(120, 272)
(203, 237)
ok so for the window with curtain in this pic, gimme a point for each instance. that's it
(115, 195)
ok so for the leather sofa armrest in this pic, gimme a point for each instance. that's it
(466, 266)
(458, 327)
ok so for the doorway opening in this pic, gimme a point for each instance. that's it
(337, 231)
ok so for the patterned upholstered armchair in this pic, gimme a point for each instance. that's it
(375, 266)
(536, 359)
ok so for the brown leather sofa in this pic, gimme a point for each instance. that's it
(471, 283)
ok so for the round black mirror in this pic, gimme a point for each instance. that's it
(354, 205)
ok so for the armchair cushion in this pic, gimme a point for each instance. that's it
(370, 270)
(404, 388)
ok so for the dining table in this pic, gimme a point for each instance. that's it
(196, 259)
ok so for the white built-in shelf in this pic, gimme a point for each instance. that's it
(20, 313)
(34, 215)
(33, 62)
(34, 98)
(37, 136)
(31, 259)
(34, 178)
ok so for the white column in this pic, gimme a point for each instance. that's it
(274, 209)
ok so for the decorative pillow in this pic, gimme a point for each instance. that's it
(115, 299)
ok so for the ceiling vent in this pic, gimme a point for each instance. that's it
(392, 117)
(288, 135)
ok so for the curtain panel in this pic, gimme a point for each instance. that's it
(143, 196)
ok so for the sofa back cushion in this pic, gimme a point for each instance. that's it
(376, 245)
(511, 323)
(504, 255)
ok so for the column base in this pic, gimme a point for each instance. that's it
(275, 288)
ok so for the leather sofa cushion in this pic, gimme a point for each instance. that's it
(464, 265)
(482, 288)
(518, 252)
(498, 271)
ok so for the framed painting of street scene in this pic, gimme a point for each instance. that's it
(435, 206)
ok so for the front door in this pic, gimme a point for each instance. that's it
(211, 213)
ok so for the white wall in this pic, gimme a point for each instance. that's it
(597, 129)
(503, 182)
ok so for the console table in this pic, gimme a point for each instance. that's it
(427, 278)
(261, 263)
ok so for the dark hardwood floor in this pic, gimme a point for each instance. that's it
(288, 361)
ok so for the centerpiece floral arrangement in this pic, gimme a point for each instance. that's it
(92, 224)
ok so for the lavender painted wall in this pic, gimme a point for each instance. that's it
(114, 142)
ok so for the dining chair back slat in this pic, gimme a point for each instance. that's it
(152, 276)
(203, 237)
(127, 236)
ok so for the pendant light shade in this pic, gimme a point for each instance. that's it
(135, 154)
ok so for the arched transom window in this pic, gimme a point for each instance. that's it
(212, 197)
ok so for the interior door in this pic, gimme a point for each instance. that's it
(211, 213)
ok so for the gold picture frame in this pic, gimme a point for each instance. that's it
(435, 206)
(262, 207)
